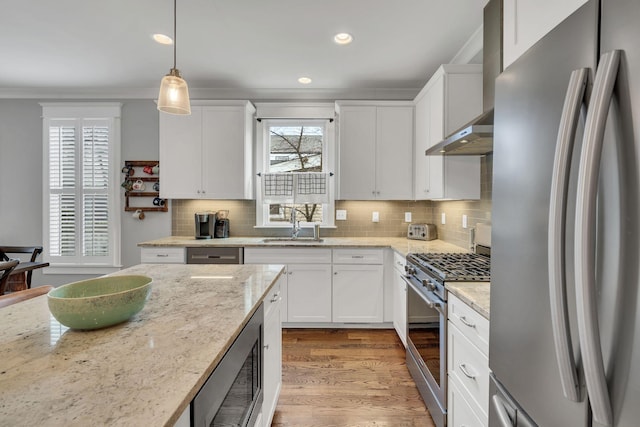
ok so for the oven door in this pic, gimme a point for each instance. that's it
(427, 347)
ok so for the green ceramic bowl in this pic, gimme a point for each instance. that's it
(101, 302)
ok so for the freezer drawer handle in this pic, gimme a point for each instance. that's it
(499, 405)
(464, 320)
(556, 233)
(465, 371)
(586, 294)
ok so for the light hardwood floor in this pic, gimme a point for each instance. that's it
(347, 377)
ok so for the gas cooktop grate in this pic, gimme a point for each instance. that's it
(455, 266)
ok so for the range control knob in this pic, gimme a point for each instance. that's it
(430, 286)
(409, 270)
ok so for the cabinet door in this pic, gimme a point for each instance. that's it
(181, 155)
(357, 159)
(224, 152)
(394, 147)
(527, 21)
(358, 293)
(272, 354)
(309, 293)
(400, 306)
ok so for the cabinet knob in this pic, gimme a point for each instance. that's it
(335, 273)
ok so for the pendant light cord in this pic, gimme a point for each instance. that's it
(175, 33)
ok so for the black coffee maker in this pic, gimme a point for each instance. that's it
(222, 225)
(205, 225)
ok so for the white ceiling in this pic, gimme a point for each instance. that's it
(102, 48)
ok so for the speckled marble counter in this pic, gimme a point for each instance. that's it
(401, 245)
(475, 294)
(143, 372)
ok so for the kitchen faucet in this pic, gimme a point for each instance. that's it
(295, 225)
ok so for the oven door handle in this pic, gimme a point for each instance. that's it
(431, 303)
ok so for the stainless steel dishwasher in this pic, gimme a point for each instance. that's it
(215, 255)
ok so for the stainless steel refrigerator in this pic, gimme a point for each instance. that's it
(565, 324)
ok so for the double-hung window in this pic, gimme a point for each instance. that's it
(295, 161)
(81, 150)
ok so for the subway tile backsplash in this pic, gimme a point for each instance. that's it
(242, 215)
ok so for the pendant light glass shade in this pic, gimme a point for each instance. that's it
(174, 94)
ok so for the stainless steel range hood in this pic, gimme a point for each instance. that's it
(476, 137)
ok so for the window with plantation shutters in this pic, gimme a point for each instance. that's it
(81, 171)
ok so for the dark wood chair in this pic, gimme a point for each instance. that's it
(6, 267)
(15, 297)
(34, 251)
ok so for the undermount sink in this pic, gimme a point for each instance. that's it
(291, 240)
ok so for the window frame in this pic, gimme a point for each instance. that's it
(263, 160)
(79, 113)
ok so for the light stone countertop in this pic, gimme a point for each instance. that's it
(475, 294)
(402, 245)
(143, 372)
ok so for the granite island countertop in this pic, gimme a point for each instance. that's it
(475, 294)
(402, 245)
(142, 372)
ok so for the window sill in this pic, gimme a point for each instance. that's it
(80, 269)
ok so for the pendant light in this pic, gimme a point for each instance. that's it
(174, 92)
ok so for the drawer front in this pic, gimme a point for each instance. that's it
(399, 262)
(470, 322)
(459, 411)
(287, 256)
(273, 297)
(470, 367)
(358, 256)
(162, 255)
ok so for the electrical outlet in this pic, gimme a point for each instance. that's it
(341, 214)
(375, 217)
(443, 218)
(464, 221)
(407, 217)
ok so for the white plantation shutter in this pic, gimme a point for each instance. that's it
(82, 212)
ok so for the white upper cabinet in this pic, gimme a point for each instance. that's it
(527, 21)
(375, 154)
(208, 154)
(451, 98)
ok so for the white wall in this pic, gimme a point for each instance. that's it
(21, 178)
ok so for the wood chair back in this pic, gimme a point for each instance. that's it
(33, 250)
(15, 297)
(6, 267)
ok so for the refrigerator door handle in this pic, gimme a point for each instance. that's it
(586, 294)
(557, 211)
(499, 404)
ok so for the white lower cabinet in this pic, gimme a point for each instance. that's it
(306, 292)
(358, 285)
(325, 286)
(272, 352)
(468, 365)
(399, 298)
(309, 293)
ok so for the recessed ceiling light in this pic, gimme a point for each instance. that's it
(343, 38)
(162, 39)
(304, 80)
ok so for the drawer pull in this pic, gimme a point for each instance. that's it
(463, 368)
(276, 298)
(357, 256)
(162, 255)
(464, 320)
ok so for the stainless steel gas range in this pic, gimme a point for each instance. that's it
(426, 276)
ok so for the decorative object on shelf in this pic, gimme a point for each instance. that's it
(174, 92)
(138, 186)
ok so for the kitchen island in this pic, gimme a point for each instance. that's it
(142, 372)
